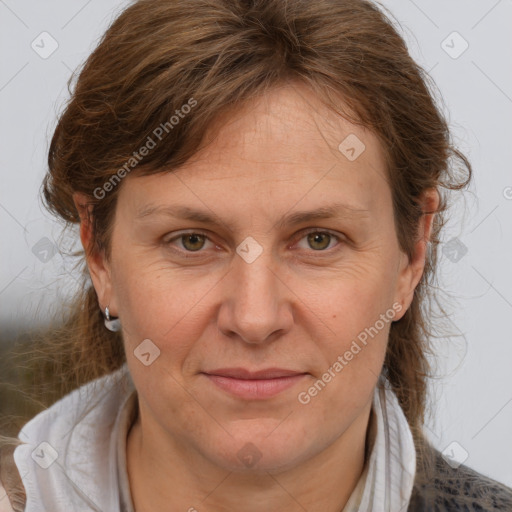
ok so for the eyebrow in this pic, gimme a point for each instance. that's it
(332, 211)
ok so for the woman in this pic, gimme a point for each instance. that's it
(259, 190)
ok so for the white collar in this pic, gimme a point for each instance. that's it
(388, 478)
(76, 467)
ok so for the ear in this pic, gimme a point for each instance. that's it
(99, 268)
(410, 271)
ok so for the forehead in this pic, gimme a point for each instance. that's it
(280, 149)
(289, 125)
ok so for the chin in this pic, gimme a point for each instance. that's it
(255, 451)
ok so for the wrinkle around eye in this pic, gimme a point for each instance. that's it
(338, 238)
(179, 238)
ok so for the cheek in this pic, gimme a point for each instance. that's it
(352, 360)
(155, 300)
(173, 306)
(355, 312)
(353, 298)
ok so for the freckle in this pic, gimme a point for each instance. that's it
(334, 316)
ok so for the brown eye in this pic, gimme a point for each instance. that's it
(194, 244)
(318, 240)
(193, 241)
(324, 243)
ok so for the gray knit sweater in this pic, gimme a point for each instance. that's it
(449, 489)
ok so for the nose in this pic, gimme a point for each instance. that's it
(257, 305)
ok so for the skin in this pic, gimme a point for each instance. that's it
(299, 305)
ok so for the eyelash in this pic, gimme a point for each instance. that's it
(190, 254)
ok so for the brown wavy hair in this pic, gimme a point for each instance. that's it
(158, 55)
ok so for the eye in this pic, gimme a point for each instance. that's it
(192, 241)
(318, 240)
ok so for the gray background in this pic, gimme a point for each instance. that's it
(473, 396)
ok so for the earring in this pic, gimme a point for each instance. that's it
(112, 323)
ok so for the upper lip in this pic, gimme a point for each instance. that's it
(242, 373)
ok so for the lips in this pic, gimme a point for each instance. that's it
(254, 385)
(243, 374)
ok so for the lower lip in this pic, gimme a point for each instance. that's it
(256, 389)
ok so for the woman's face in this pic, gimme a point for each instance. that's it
(273, 249)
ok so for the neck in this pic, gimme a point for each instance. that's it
(165, 475)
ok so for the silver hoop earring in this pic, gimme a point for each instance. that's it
(112, 323)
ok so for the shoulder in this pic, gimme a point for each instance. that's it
(70, 440)
(94, 402)
(441, 487)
